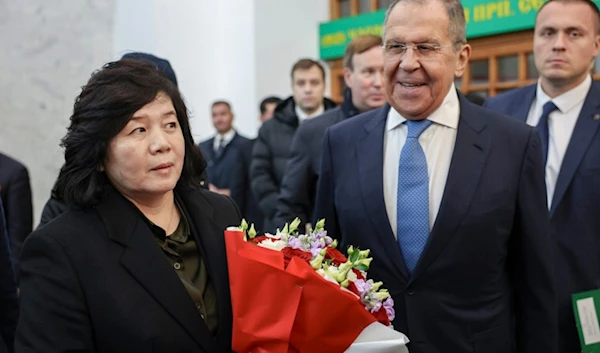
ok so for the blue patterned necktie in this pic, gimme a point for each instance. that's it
(413, 196)
(220, 147)
(542, 128)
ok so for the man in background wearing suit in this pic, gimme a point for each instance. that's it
(363, 76)
(220, 151)
(448, 196)
(241, 190)
(271, 149)
(9, 303)
(15, 192)
(565, 107)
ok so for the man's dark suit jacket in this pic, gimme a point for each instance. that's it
(220, 168)
(487, 264)
(9, 302)
(97, 281)
(241, 190)
(299, 184)
(574, 211)
(15, 192)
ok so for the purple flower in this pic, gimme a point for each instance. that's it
(375, 306)
(295, 243)
(314, 251)
(388, 305)
(362, 286)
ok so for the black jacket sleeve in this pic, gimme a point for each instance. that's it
(241, 180)
(9, 305)
(53, 314)
(294, 195)
(19, 214)
(264, 185)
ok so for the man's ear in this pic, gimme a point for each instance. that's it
(347, 74)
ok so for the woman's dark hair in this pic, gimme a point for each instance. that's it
(106, 104)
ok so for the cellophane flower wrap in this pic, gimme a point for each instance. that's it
(293, 292)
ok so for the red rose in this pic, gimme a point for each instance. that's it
(288, 253)
(334, 254)
(259, 239)
(358, 274)
(381, 316)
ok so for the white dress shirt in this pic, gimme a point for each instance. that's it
(561, 124)
(226, 137)
(437, 143)
(303, 116)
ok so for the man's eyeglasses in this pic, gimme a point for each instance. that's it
(423, 50)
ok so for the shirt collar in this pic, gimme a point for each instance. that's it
(447, 114)
(227, 137)
(303, 116)
(567, 100)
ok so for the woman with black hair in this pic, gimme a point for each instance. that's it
(137, 263)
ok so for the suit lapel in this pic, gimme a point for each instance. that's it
(523, 105)
(144, 260)
(210, 150)
(468, 159)
(370, 164)
(584, 132)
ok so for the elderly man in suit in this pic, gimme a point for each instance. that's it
(565, 108)
(15, 192)
(448, 196)
(9, 305)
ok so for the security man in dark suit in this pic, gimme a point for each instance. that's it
(15, 192)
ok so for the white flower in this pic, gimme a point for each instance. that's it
(273, 245)
(272, 236)
(351, 276)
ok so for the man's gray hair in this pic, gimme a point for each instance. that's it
(456, 13)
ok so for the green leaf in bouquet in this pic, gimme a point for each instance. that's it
(285, 229)
(362, 267)
(354, 256)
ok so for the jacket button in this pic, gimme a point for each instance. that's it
(410, 290)
(177, 266)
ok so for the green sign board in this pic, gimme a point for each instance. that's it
(586, 307)
(484, 18)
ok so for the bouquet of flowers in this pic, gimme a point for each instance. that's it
(295, 292)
